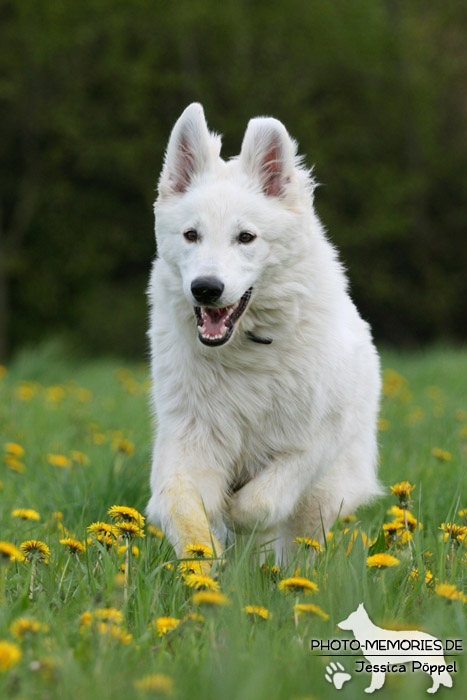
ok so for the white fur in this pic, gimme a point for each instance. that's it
(294, 421)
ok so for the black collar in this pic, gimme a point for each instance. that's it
(255, 339)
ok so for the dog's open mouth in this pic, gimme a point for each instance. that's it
(216, 325)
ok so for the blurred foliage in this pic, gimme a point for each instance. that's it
(373, 90)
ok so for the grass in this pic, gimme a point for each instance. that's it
(52, 406)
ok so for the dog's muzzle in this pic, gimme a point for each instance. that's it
(216, 325)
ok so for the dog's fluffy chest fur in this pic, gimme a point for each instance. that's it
(248, 402)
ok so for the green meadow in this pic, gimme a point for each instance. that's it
(75, 440)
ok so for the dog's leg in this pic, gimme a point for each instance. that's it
(377, 682)
(271, 496)
(186, 495)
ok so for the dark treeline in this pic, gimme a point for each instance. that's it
(373, 90)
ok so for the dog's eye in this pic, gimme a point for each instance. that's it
(191, 235)
(245, 237)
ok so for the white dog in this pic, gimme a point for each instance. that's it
(265, 378)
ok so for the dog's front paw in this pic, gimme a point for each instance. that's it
(250, 509)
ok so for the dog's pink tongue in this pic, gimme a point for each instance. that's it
(214, 319)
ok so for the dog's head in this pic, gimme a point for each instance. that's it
(354, 619)
(223, 226)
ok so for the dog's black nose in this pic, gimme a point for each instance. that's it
(206, 290)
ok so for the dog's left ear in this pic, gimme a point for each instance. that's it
(268, 154)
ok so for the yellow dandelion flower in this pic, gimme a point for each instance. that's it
(310, 609)
(393, 383)
(54, 394)
(25, 514)
(350, 518)
(99, 438)
(35, 549)
(449, 590)
(193, 617)
(123, 373)
(8, 552)
(126, 513)
(463, 513)
(107, 541)
(79, 457)
(100, 529)
(155, 683)
(272, 571)
(155, 531)
(82, 395)
(166, 624)
(114, 632)
(14, 449)
(25, 391)
(402, 490)
(119, 580)
(394, 527)
(10, 654)
(454, 532)
(383, 424)
(124, 446)
(189, 567)
(131, 386)
(58, 461)
(14, 464)
(412, 522)
(24, 626)
(201, 582)
(210, 598)
(415, 576)
(393, 531)
(256, 611)
(198, 550)
(308, 543)
(414, 417)
(405, 537)
(85, 619)
(74, 546)
(434, 392)
(109, 615)
(121, 550)
(382, 560)
(297, 584)
(442, 455)
(129, 530)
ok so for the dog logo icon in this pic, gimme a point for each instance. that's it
(393, 650)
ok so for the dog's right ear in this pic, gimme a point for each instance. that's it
(188, 152)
